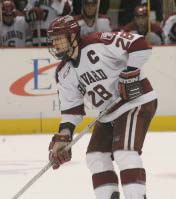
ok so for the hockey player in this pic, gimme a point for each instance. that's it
(103, 67)
(90, 21)
(39, 14)
(14, 31)
(169, 29)
(140, 25)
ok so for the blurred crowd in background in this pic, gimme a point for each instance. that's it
(24, 23)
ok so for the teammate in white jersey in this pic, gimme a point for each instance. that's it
(169, 29)
(103, 67)
(88, 20)
(14, 31)
(39, 15)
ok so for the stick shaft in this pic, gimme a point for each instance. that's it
(76, 139)
(96, 16)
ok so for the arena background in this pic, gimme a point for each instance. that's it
(29, 102)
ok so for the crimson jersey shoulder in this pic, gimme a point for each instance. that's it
(138, 45)
(132, 42)
(127, 41)
(97, 37)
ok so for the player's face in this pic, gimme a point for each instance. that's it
(90, 9)
(61, 43)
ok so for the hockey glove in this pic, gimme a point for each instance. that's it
(129, 85)
(57, 153)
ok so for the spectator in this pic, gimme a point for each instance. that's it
(89, 21)
(169, 29)
(127, 9)
(39, 15)
(20, 7)
(142, 26)
(62, 7)
(77, 6)
(14, 31)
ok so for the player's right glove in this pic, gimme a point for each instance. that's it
(57, 154)
(129, 85)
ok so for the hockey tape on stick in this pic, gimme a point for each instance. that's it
(76, 139)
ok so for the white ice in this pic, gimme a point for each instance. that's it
(21, 157)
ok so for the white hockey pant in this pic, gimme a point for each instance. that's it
(132, 174)
(104, 178)
(105, 181)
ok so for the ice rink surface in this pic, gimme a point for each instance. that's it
(21, 157)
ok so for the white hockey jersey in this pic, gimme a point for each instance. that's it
(95, 75)
(102, 25)
(15, 35)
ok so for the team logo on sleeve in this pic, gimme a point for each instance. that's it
(107, 36)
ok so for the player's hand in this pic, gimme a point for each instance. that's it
(57, 153)
(129, 86)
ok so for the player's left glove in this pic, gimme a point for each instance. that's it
(57, 153)
(129, 85)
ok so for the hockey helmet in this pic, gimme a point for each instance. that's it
(8, 12)
(64, 25)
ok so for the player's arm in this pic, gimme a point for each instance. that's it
(72, 111)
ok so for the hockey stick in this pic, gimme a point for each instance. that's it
(96, 16)
(39, 32)
(78, 137)
(0, 11)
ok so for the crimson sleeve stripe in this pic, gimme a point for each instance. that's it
(78, 110)
(138, 45)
